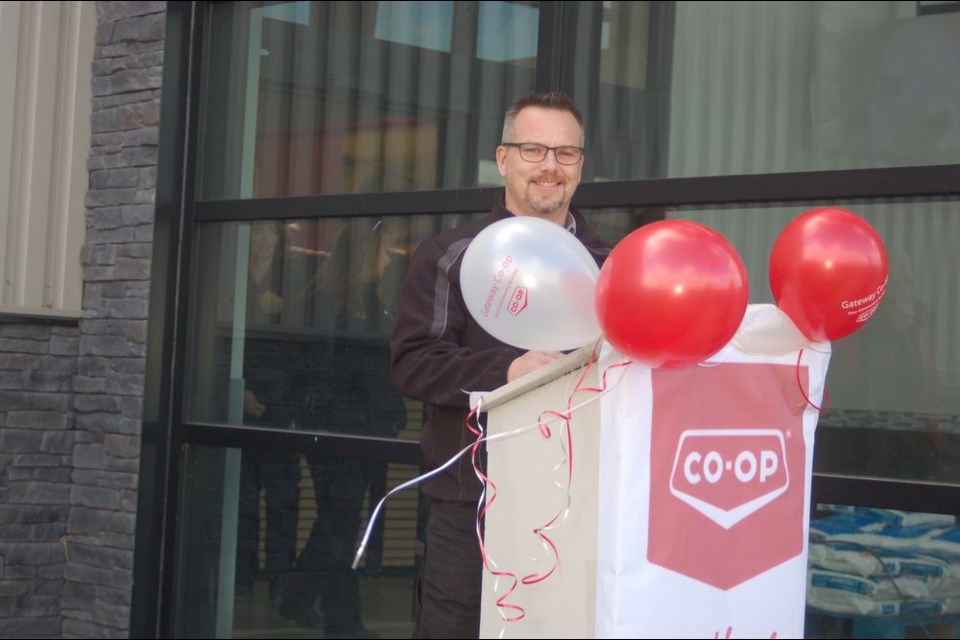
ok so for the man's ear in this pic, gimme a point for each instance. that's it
(502, 161)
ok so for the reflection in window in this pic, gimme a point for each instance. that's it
(266, 538)
(618, 74)
(515, 23)
(766, 87)
(894, 385)
(428, 25)
(359, 97)
(293, 321)
(373, 97)
(298, 12)
(300, 340)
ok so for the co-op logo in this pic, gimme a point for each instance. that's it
(518, 301)
(863, 317)
(728, 474)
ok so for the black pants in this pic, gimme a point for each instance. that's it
(277, 473)
(323, 568)
(451, 574)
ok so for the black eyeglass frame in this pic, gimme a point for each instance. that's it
(520, 147)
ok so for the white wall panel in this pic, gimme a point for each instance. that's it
(46, 48)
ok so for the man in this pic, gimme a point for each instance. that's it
(439, 351)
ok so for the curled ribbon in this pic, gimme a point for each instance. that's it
(826, 396)
(517, 612)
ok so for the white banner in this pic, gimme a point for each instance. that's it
(704, 490)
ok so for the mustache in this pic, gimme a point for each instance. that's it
(548, 176)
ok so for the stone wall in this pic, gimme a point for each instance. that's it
(37, 366)
(108, 386)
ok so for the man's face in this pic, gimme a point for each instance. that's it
(542, 188)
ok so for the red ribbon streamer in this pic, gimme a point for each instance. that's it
(826, 396)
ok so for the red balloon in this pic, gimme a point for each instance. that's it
(671, 293)
(828, 272)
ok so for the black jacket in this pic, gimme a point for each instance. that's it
(439, 352)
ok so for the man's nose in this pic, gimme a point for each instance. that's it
(551, 158)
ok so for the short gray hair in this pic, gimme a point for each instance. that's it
(551, 100)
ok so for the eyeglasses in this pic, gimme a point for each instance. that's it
(535, 152)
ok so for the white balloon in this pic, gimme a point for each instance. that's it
(531, 284)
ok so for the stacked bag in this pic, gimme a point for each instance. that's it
(882, 562)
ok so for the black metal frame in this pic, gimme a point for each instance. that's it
(927, 9)
(178, 210)
(933, 180)
(161, 437)
(908, 495)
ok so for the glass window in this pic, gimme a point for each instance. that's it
(894, 385)
(881, 573)
(721, 88)
(292, 322)
(617, 72)
(310, 98)
(267, 538)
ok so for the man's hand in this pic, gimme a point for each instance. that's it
(252, 405)
(530, 361)
(271, 302)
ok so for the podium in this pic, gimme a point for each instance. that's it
(526, 472)
(679, 505)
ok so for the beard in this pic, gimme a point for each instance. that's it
(545, 205)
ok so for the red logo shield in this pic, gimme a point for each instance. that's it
(518, 301)
(728, 470)
(728, 474)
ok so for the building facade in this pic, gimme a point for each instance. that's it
(195, 416)
(79, 181)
